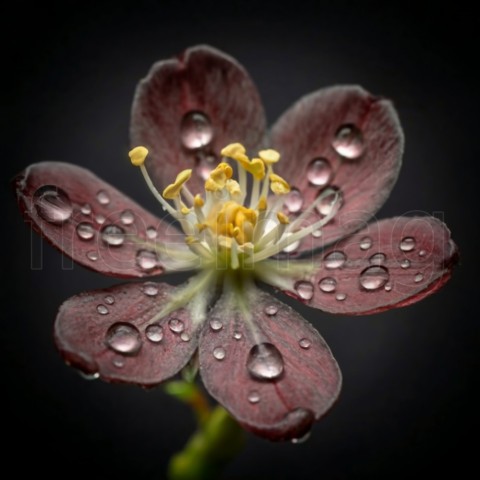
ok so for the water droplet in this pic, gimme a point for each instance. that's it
(86, 209)
(303, 439)
(219, 353)
(113, 235)
(127, 217)
(305, 343)
(53, 204)
(216, 325)
(405, 263)
(373, 278)
(109, 299)
(327, 284)
(146, 259)
(85, 231)
(237, 336)
(340, 297)
(292, 247)
(304, 290)
(152, 233)
(317, 233)
(319, 172)
(348, 142)
(89, 376)
(330, 201)
(118, 361)
(154, 333)
(150, 289)
(102, 309)
(176, 325)
(196, 130)
(334, 260)
(265, 362)
(100, 219)
(294, 200)
(253, 397)
(92, 255)
(185, 337)
(103, 197)
(407, 244)
(377, 259)
(388, 287)
(418, 277)
(422, 253)
(204, 169)
(271, 310)
(365, 243)
(124, 338)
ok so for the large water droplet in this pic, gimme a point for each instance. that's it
(127, 217)
(92, 255)
(348, 142)
(294, 200)
(334, 260)
(113, 235)
(154, 333)
(405, 263)
(265, 362)
(253, 397)
(271, 310)
(185, 337)
(109, 299)
(418, 277)
(152, 233)
(216, 325)
(53, 204)
(176, 325)
(373, 278)
(330, 201)
(86, 209)
(327, 285)
(219, 353)
(304, 290)
(196, 130)
(124, 338)
(305, 343)
(146, 259)
(102, 309)
(103, 197)
(407, 244)
(377, 259)
(365, 243)
(85, 231)
(150, 290)
(319, 172)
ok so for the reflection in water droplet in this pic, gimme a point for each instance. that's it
(365, 243)
(329, 201)
(305, 343)
(405, 263)
(271, 310)
(150, 289)
(185, 337)
(124, 338)
(219, 353)
(377, 259)
(127, 217)
(317, 233)
(151, 233)
(319, 172)
(418, 277)
(348, 142)
(113, 235)
(340, 297)
(422, 253)
(109, 300)
(176, 325)
(85, 231)
(388, 287)
(237, 335)
(334, 260)
(216, 325)
(52, 204)
(103, 197)
(195, 130)
(294, 200)
(102, 309)
(304, 290)
(327, 284)
(92, 255)
(146, 259)
(100, 219)
(373, 278)
(265, 362)
(86, 209)
(253, 397)
(154, 333)
(118, 361)
(407, 244)
(206, 163)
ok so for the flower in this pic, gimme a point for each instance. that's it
(293, 216)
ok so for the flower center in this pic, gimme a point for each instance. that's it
(232, 222)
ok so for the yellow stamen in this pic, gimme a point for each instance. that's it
(278, 185)
(257, 168)
(185, 210)
(282, 218)
(173, 190)
(138, 155)
(198, 201)
(269, 156)
(262, 204)
(233, 187)
(218, 177)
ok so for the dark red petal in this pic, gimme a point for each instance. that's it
(92, 222)
(106, 332)
(389, 264)
(305, 379)
(304, 136)
(202, 80)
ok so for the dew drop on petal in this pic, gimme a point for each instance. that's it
(86, 209)
(319, 172)
(154, 333)
(329, 201)
(127, 217)
(124, 338)
(216, 325)
(103, 197)
(176, 325)
(365, 243)
(377, 259)
(118, 361)
(92, 255)
(373, 278)
(340, 297)
(113, 235)
(388, 287)
(150, 290)
(219, 353)
(418, 277)
(195, 130)
(85, 231)
(185, 337)
(348, 142)
(405, 263)
(89, 376)
(303, 439)
(52, 204)
(237, 335)
(152, 233)
(205, 166)
(294, 200)
(422, 253)
(100, 219)
(109, 299)
(265, 362)
(146, 259)
(317, 233)
(271, 310)
(327, 285)
(292, 247)
(253, 397)
(102, 309)
(305, 343)
(334, 260)
(304, 290)
(407, 244)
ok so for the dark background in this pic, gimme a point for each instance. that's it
(410, 375)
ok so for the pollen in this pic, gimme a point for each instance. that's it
(278, 185)
(269, 156)
(138, 155)
(173, 190)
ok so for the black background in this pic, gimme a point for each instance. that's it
(410, 375)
